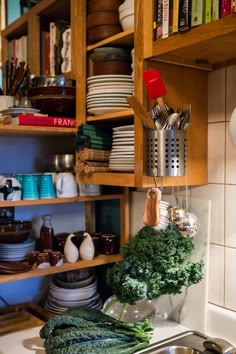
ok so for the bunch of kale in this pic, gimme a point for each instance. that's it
(154, 263)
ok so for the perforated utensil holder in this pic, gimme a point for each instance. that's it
(166, 152)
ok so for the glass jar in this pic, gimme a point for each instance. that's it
(46, 234)
(108, 244)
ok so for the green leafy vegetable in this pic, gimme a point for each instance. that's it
(154, 263)
(88, 331)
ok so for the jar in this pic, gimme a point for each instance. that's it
(43, 260)
(46, 234)
(108, 244)
(32, 257)
(56, 258)
(96, 237)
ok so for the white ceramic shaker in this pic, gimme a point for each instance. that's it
(71, 252)
(87, 249)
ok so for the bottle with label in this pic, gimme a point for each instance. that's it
(46, 234)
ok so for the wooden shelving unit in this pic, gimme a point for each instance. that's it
(27, 130)
(37, 272)
(21, 203)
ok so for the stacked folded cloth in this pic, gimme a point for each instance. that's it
(66, 52)
(93, 147)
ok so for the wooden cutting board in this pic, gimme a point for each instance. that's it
(21, 317)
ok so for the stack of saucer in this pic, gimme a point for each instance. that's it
(164, 215)
(122, 153)
(108, 93)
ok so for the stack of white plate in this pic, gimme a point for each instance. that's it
(164, 215)
(16, 252)
(108, 93)
(122, 153)
(64, 295)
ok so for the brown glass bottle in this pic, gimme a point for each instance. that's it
(46, 234)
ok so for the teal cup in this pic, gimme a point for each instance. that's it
(30, 188)
(20, 179)
(46, 187)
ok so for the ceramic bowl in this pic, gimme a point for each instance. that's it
(15, 231)
(61, 163)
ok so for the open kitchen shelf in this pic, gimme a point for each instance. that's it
(206, 47)
(20, 203)
(37, 272)
(28, 130)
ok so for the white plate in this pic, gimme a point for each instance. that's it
(104, 99)
(113, 77)
(124, 127)
(123, 135)
(119, 155)
(124, 149)
(106, 95)
(123, 169)
(105, 110)
(111, 85)
(107, 104)
(128, 92)
(125, 142)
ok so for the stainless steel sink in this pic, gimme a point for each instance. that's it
(189, 342)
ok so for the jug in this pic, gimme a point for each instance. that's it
(66, 186)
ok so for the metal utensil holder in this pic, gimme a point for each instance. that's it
(166, 152)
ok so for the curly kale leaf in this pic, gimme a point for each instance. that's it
(154, 263)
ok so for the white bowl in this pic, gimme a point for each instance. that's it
(127, 22)
(126, 4)
(126, 12)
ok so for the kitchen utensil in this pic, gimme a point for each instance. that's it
(151, 214)
(66, 186)
(141, 112)
(190, 225)
(172, 122)
(15, 231)
(156, 88)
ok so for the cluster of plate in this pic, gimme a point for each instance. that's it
(164, 215)
(108, 93)
(16, 252)
(122, 152)
(64, 295)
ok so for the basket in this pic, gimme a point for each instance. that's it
(166, 152)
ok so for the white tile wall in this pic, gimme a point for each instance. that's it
(216, 153)
(216, 96)
(221, 190)
(230, 283)
(215, 193)
(216, 278)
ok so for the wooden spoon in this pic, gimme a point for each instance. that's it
(151, 214)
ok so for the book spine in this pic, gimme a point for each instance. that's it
(215, 13)
(170, 17)
(207, 11)
(184, 22)
(46, 121)
(175, 15)
(165, 19)
(154, 33)
(159, 18)
(225, 8)
(197, 13)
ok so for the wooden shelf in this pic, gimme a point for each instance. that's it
(112, 179)
(125, 38)
(99, 260)
(111, 116)
(59, 200)
(34, 130)
(205, 47)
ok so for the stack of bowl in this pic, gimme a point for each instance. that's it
(111, 60)
(53, 95)
(103, 19)
(126, 14)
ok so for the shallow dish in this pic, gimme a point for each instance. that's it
(52, 80)
(15, 231)
(76, 284)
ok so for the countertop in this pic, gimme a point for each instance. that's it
(28, 341)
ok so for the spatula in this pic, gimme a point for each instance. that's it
(156, 88)
(141, 112)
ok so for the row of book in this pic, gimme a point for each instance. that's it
(51, 45)
(18, 48)
(173, 16)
